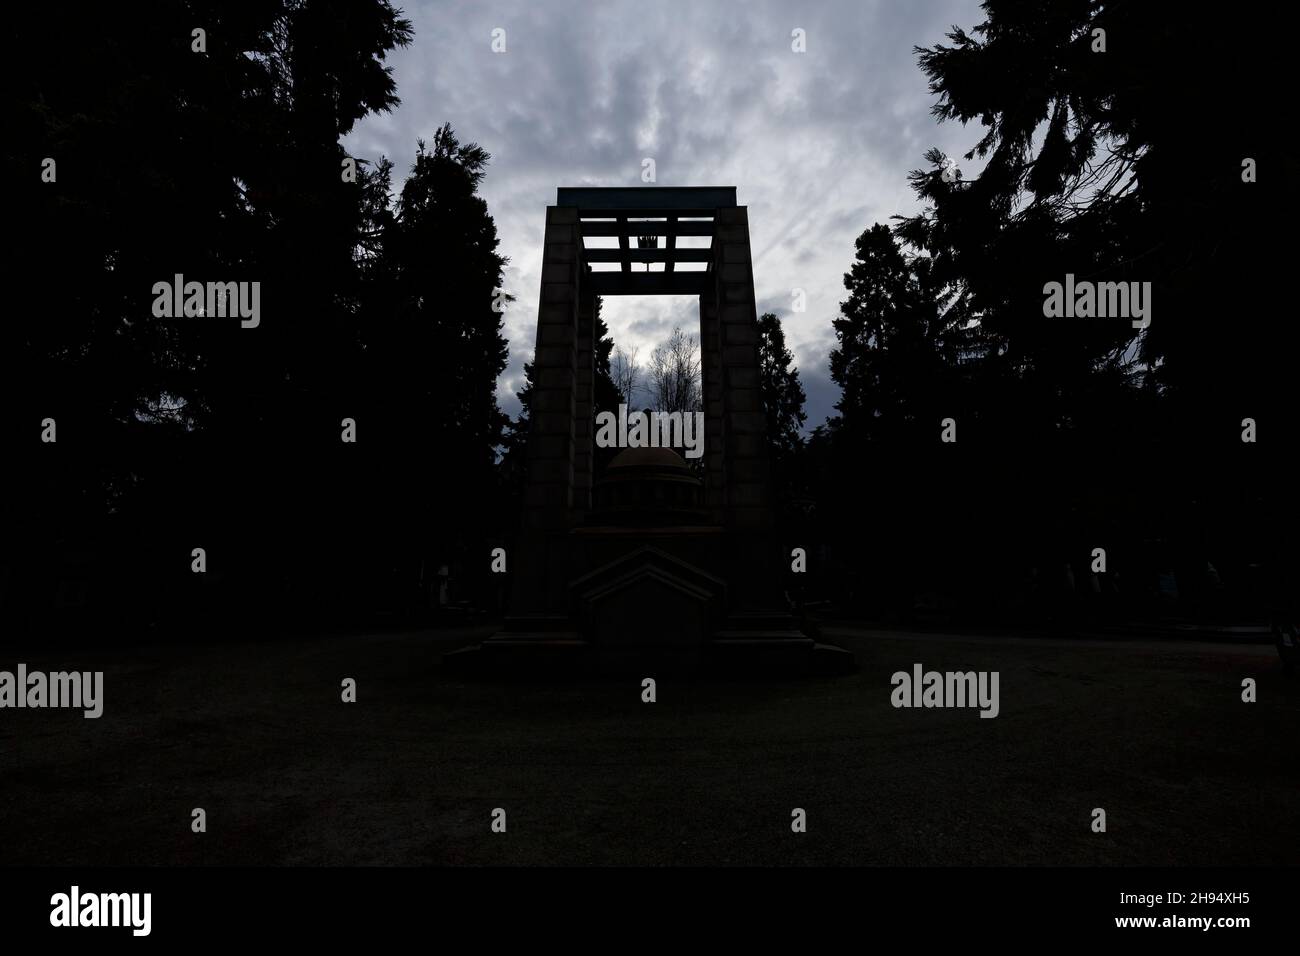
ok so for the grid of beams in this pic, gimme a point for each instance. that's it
(649, 283)
(649, 211)
(626, 281)
(674, 228)
(649, 255)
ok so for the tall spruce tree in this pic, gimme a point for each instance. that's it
(783, 395)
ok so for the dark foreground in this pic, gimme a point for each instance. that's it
(256, 734)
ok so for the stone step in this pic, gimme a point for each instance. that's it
(536, 639)
(789, 634)
(762, 621)
(538, 624)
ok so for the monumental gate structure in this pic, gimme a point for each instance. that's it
(643, 556)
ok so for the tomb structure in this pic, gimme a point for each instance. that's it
(650, 558)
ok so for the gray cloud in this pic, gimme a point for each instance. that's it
(819, 144)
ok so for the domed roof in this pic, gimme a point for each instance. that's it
(649, 458)
(648, 486)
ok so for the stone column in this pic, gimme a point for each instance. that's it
(715, 414)
(551, 446)
(584, 401)
(747, 470)
(541, 564)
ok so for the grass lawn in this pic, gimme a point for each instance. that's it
(256, 734)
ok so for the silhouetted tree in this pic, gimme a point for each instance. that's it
(783, 395)
(220, 165)
(900, 343)
(440, 348)
(432, 347)
(674, 374)
(608, 395)
(625, 372)
(1113, 150)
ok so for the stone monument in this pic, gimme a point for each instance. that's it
(648, 561)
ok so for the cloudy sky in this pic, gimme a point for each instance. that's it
(817, 143)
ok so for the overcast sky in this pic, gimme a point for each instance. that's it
(818, 143)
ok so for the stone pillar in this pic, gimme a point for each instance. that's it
(584, 401)
(747, 470)
(551, 445)
(541, 564)
(715, 414)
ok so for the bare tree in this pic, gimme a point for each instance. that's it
(625, 373)
(674, 374)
